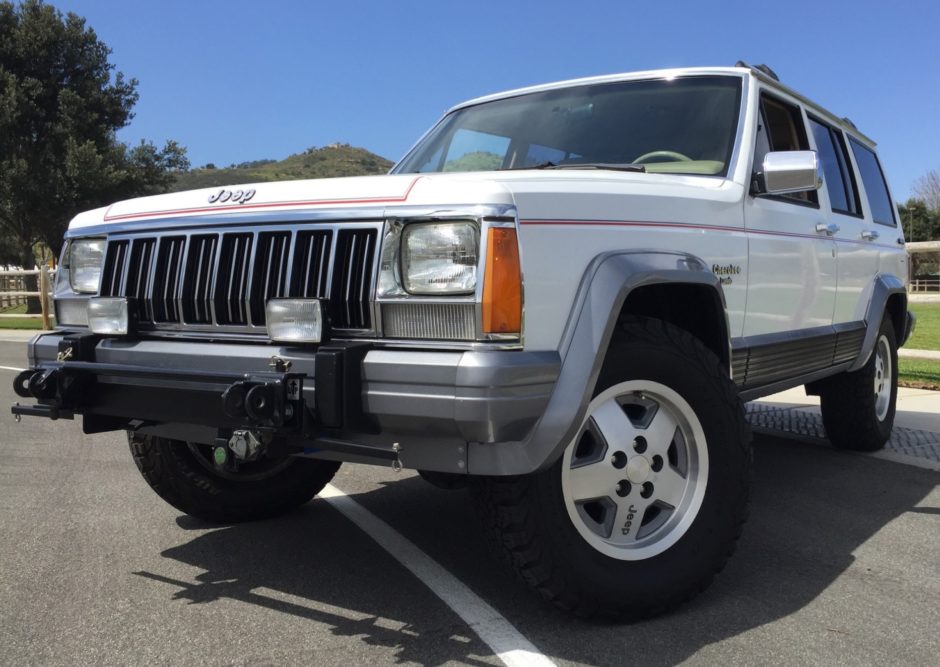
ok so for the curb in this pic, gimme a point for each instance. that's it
(906, 445)
(19, 335)
(919, 354)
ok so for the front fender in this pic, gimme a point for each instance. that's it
(606, 284)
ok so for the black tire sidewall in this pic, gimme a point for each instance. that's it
(170, 468)
(886, 425)
(848, 402)
(694, 556)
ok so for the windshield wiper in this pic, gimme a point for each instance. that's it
(610, 166)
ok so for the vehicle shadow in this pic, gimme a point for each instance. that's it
(812, 508)
(314, 565)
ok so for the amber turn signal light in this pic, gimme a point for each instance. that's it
(502, 283)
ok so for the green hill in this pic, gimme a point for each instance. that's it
(332, 160)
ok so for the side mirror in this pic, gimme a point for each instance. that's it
(784, 172)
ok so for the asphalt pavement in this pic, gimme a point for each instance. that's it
(838, 565)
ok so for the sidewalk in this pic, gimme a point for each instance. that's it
(915, 439)
(919, 354)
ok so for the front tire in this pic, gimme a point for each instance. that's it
(647, 501)
(175, 472)
(858, 408)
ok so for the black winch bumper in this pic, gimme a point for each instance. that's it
(268, 392)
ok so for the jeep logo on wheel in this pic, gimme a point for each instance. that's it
(234, 196)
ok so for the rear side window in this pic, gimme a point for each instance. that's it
(840, 182)
(882, 210)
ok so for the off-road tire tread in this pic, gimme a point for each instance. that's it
(505, 503)
(848, 406)
(167, 468)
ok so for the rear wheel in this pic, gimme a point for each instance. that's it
(647, 501)
(184, 476)
(858, 408)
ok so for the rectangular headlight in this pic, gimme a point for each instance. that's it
(294, 320)
(440, 257)
(109, 315)
(86, 257)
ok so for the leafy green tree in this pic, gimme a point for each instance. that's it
(919, 222)
(61, 104)
(9, 253)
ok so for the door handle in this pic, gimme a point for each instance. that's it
(829, 228)
(869, 235)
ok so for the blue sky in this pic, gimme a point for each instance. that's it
(237, 80)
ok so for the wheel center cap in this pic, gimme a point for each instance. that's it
(638, 469)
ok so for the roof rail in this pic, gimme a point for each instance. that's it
(848, 121)
(763, 69)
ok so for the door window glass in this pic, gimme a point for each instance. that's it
(782, 127)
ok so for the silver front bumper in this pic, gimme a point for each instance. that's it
(472, 396)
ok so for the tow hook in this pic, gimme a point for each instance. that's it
(246, 445)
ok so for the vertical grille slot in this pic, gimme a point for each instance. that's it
(167, 279)
(139, 274)
(114, 270)
(269, 276)
(197, 286)
(352, 279)
(231, 286)
(220, 280)
(311, 264)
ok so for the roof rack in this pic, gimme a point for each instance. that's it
(763, 69)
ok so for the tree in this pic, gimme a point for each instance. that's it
(927, 187)
(61, 105)
(919, 222)
(9, 253)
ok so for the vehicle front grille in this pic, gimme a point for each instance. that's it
(221, 281)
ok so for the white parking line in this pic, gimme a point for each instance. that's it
(507, 643)
(10, 368)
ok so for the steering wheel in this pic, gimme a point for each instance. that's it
(673, 156)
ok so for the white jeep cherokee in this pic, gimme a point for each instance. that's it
(562, 295)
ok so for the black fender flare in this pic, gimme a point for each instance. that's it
(604, 288)
(884, 287)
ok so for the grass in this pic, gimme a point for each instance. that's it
(919, 373)
(19, 322)
(927, 332)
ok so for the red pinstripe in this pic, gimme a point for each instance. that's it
(242, 207)
(683, 225)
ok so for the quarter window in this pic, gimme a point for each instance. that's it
(882, 210)
(840, 182)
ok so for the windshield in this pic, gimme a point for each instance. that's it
(684, 126)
